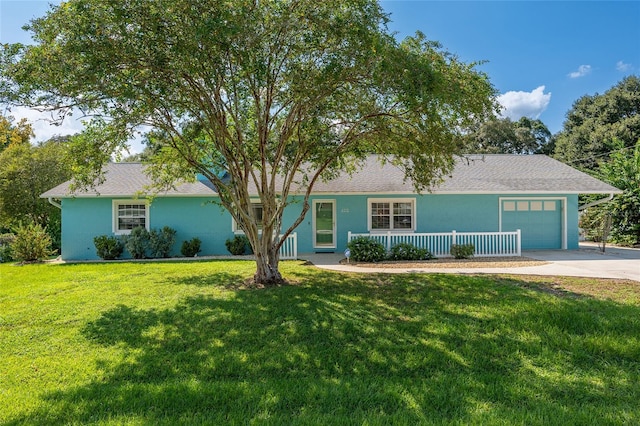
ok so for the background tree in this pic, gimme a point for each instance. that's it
(12, 134)
(595, 121)
(622, 170)
(26, 171)
(503, 136)
(277, 94)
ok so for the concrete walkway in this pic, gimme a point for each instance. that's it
(588, 261)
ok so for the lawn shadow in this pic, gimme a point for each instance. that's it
(335, 348)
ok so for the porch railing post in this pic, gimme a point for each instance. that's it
(518, 242)
(453, 237)
(349, 237)
(295, 245)
(388, 240)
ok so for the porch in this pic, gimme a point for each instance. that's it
(487, 244)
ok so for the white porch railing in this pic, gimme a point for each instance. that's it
(289, 249)
(487, 244)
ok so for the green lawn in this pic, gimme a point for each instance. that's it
(185, 343)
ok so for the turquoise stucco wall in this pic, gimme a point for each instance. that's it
(85, 218)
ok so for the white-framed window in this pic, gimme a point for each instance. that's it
(257, 213)
(128, 214)
(392, 214)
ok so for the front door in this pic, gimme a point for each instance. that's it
(324, 224)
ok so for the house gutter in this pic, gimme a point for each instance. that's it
(54, 203)
(595, 203)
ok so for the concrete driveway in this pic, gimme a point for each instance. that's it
(588, 261)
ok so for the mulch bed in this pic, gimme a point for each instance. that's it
(475, 262)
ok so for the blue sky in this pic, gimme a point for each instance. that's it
(541, 55)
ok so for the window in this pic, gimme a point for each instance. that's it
(128, 215)
(257, 212)
(536, 206)
(391, 215)
(509, 206)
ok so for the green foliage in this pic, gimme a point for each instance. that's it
(238, 245)
(137, 242)
(108, 247)
(191, 247)
(26, 171)
(365, 249)
(406, 251)
(32, 243)
(622, 170)
(503, 136)
(5, 246)
(276, 77)
(161, 241)
(462, 251)
(14, 134)
(594, 122)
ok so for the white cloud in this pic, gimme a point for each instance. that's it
(582, 71)
(45, 130)
(42, 126)
(524, 104)
(621, 66)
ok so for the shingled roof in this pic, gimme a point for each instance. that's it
(474, 174)
(126, 180)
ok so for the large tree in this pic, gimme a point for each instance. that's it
(275, 93)
(594, 122)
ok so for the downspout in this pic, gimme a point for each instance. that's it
(54, 203)
(595, 203)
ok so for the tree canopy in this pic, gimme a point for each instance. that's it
(503, 136)
(594, 122)
(26, 171)
(13, 134)
(620, 217)
(294, 90)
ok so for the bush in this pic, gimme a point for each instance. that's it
(161, 241)
(237, 245)
(190, 248)
(462, 251)
(365, 249)
(137, 242)
(406, 251)
(108, 247)
(5, 247)
(32, 243)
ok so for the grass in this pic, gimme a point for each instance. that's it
(184, 343)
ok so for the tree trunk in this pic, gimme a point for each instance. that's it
(267, 273)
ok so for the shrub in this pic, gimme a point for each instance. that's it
(137, 242)
(5, 247)
(462, 251)
(365, 249)
(108, 247)
(190, 248)
(237, 245)
(161, 241)
(406, 251)
(32, 243)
